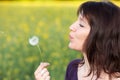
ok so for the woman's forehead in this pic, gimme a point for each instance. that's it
(81, 17)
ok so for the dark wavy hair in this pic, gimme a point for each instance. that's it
(102, 46)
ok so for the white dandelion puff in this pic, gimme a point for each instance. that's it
(34, 40)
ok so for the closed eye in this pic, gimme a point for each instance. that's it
(81, 25)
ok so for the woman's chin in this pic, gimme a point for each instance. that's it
(71, 46)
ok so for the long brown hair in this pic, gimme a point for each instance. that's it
(103, 43)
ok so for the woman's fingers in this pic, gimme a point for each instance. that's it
(45, 74)
(48, 78)
(41, 72)
(41, 66)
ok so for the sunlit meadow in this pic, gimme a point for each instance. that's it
(48, 21)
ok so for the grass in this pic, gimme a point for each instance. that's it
(18, 59)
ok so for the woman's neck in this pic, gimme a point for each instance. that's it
(86, 63)
(85, 68)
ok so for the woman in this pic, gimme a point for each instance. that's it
(96, 34)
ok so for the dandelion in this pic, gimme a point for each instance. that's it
(34, 40)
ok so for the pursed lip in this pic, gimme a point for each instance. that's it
(70, 37)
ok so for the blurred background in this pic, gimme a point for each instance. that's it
(49, 20)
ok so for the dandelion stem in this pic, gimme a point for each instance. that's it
(40, 52)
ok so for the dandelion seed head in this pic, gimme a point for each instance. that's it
(34, 40)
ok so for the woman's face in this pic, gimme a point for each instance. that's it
(79, 31)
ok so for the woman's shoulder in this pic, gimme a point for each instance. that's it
(71, 72)
(74, 63)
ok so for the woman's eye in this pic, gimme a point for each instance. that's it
(81, 25)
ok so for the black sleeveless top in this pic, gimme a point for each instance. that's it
(71, 72)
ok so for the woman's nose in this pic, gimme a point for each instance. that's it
(72, 27)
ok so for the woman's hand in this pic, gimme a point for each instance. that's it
(41, 72)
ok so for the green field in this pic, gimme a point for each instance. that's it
(18, 59)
